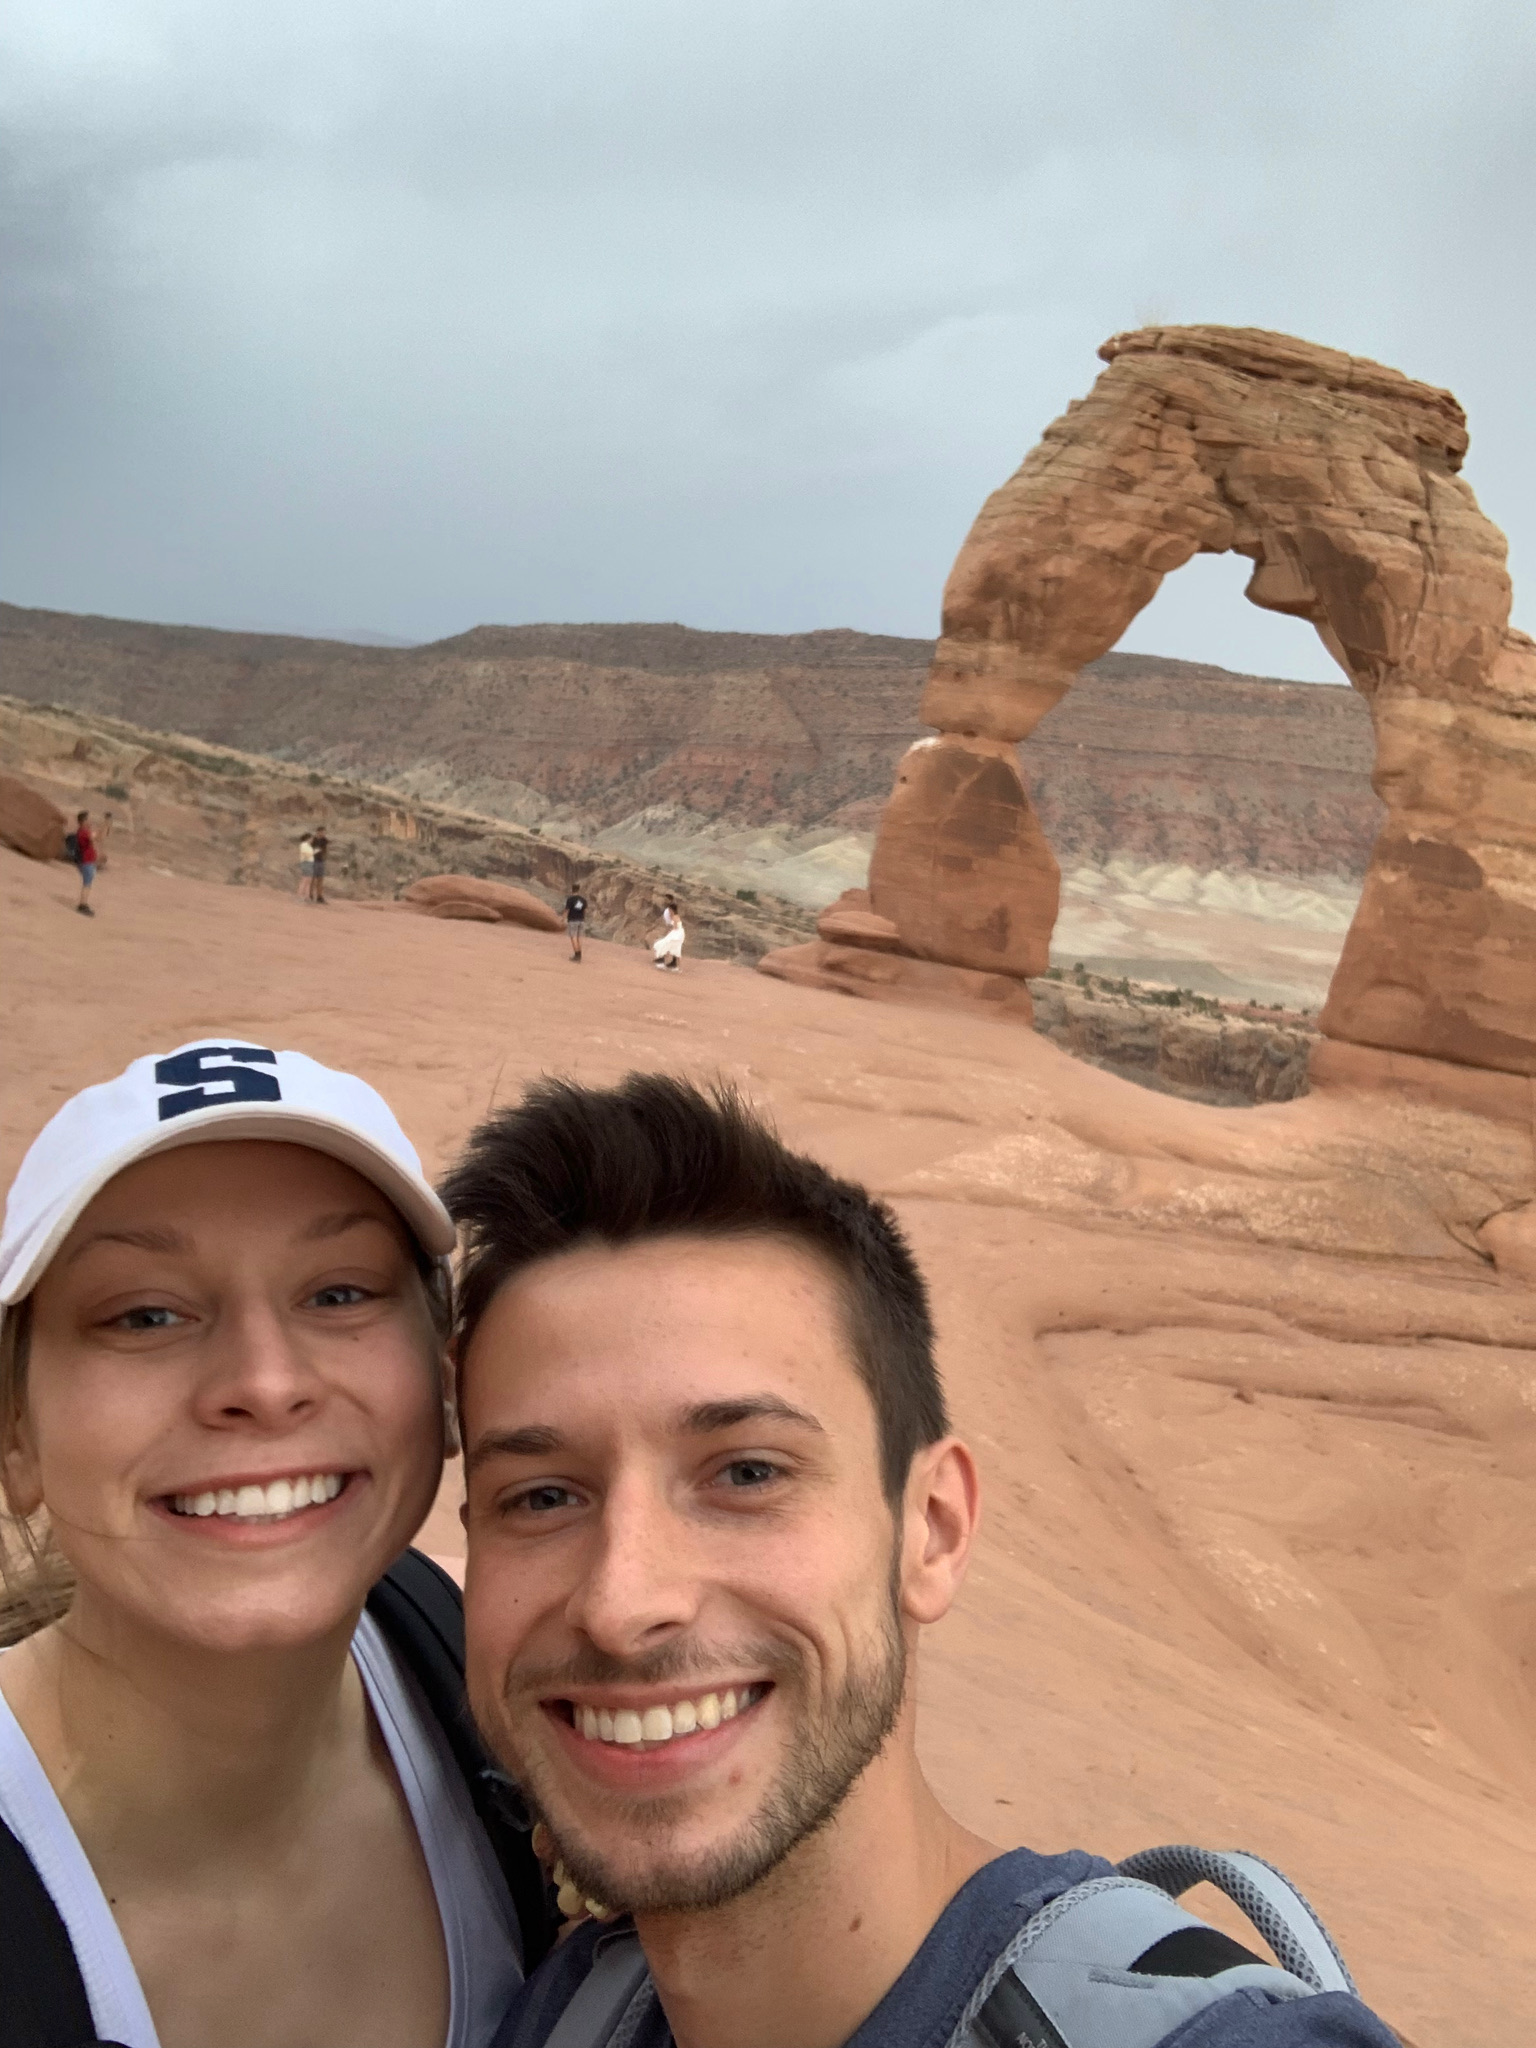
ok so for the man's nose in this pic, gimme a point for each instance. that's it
(641, 1583)
(258, 1370)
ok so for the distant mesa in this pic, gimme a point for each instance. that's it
(1338, 479)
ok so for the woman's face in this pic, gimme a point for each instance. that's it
(234, 1411)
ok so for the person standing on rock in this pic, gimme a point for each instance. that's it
(85, 860)
(306, 868)
(575, 918)
(668, 949)
(321, 847)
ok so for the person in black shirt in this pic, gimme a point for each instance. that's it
(575, 918)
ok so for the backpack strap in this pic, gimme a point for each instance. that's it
(611, 1999)
(421, 1612)
(1280, 1913)
(43, 2002)
(1115, 1959)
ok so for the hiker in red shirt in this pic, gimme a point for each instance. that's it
(85, 861)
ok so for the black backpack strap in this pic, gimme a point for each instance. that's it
(421, 1612)
(42, 1994)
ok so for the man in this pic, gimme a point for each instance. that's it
(85, 860)
(575, 918)
(320, 847)
(713, 1497)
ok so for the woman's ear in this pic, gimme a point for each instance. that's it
(20, 1477)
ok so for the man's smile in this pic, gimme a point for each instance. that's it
(648, 1726)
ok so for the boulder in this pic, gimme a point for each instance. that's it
(463, 908)
(29, 822)
(506, 904)
(894, 977)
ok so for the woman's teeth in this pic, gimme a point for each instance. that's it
(273, 1502)
(659, 1724)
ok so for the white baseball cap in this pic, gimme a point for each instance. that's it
(209, 1090)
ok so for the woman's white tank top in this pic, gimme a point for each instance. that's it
(479, 1926)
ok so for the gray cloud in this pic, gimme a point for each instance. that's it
(412, 317)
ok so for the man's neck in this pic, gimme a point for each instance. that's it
(165, 1749)
(802, 1959)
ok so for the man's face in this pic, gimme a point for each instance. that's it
(683, 1592)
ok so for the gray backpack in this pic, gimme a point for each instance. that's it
(1114, 1959)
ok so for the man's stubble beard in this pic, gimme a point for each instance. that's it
(826, 1756)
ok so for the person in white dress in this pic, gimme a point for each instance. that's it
(224, 1409)
(667, 951)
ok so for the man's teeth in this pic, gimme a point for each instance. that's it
(278, 1498)
(659, 1724)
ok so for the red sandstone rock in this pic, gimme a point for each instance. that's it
(28, 821)
(462, 908)
(858, 971)
(961, 867)
(1337, 478)
(509, 905)
(850, 922)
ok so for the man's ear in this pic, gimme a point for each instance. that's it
(941, 1507)
(453, 1441)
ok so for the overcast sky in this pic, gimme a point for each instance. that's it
(324, 314)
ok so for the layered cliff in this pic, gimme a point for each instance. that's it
(590, 726)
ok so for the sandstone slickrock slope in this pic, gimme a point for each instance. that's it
(1251, 1401)
(585, 727)
(1339, 479)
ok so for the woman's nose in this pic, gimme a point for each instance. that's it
(259, 1369)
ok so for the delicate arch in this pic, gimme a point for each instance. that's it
(1338, 479)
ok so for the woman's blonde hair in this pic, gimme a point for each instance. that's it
(36, 1582)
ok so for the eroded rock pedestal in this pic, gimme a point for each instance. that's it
(1339, 479)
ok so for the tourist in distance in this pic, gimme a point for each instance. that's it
(85, 860)
(668, 949)
(321, 846)
(575, 918)
(306, 868)
(713, 1498)
(235, 1807)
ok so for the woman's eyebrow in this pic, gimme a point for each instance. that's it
(146, 1240)
(338, 1220)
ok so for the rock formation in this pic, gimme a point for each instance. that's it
(1339, 480)
(472, 897)
(28, 821)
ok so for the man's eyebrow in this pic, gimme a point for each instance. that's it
(146, 1240)
(709, 1416)
(538, 1440)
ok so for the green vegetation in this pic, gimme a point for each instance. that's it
(117, 790)
(747, 895)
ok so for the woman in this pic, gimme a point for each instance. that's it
(306, 868)
(667, 951)
(222, 1391)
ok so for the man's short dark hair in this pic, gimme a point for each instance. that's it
(658, 1157)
